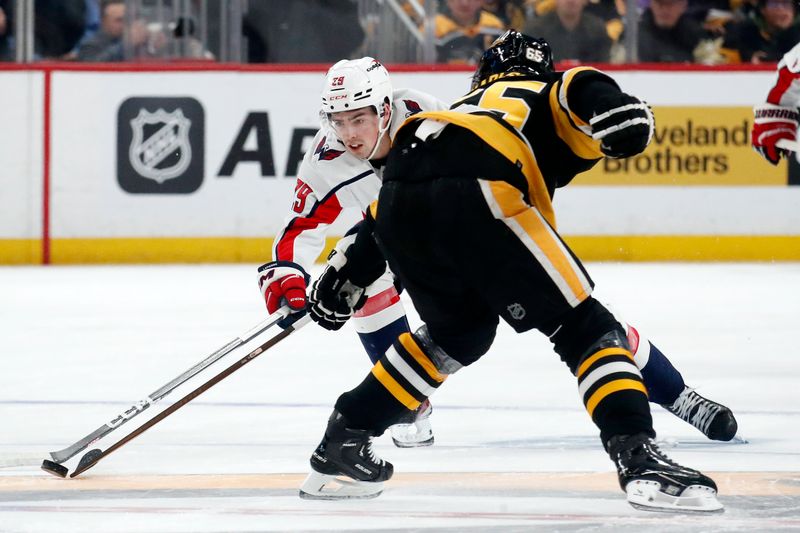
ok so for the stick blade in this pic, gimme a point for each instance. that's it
(88, 460)
(51, 467)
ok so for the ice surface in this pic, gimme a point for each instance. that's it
(515, 451)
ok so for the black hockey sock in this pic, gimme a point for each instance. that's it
(398, 383)
(613, 391)
(370, 406)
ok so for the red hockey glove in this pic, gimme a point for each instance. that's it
(283, 282)
(770, 124)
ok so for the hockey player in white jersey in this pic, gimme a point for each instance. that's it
(361, 112)
(776, 120)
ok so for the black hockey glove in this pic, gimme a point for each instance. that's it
(623, 124)
(334, 298)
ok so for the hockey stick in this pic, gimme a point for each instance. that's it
(92, 457)
(62, 455)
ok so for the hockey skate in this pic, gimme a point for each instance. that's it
(414, 430)
(653, 482)
(344, 465)
(714, 420)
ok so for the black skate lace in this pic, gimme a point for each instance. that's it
(704, 410)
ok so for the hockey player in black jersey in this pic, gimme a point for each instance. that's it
(477, 182)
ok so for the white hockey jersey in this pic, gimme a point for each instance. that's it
(331, 179)
(786, 89)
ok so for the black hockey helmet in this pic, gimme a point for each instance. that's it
(514, 52)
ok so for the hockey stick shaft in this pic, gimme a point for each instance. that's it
(92, 457)
(62, 455)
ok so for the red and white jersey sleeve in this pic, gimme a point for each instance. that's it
(330, 180)
(786, 89)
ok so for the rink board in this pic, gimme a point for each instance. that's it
(588, 248)
(83, 182)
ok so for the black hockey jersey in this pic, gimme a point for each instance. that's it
(534, 125)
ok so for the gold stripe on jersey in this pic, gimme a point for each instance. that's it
(606, 352)
(506, 203)
(506, 142)
(394, 388)
(570, 128)
(610, 388)
(373, 209)
(411, 346)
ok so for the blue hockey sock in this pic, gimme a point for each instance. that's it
(663, 381)
(377, 342)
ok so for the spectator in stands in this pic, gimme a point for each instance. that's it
(92, 23)
(667, 33)
(464, 30)
(765, 36)
(302, 31)
(511, 12)
(108, 44)
(6, 30)
(611, 12)
(573, 34)
(58, 26)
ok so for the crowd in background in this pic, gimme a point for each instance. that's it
(323, 31)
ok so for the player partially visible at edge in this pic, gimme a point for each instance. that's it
(777, 119)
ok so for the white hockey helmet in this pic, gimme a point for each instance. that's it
(356, 83)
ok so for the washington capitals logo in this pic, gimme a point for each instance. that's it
(325, 153)
(413, 107)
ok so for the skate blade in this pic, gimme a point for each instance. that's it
(647, 496)
(412, 443)
(413, 435)
(328, 487)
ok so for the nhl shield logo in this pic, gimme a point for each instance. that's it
(160, 145)
(516, 311)
(160, 148)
